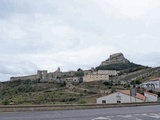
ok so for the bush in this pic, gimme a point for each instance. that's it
(92, 92)
(135, 82)
(5, 102)
(113, 90)
(107, 83)
(81, 94)
(82, 102)
(158, 93)
(24, 88)
(151, 91)
(126, 85)
(63, 84)
(109, 87)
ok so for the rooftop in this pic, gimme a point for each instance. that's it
(139, 96)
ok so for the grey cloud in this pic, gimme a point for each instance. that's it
(21, 67)
(9, 7)
(44, 34)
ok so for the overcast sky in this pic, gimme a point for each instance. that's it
(72, 34)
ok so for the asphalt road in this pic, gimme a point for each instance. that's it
(125, 113)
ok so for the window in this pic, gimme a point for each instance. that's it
(103, 101)
(118, 101)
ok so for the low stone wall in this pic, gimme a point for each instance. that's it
(29, 77)
(21, 108)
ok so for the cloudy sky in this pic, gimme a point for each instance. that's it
(72, 34)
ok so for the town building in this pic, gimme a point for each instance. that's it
(123, 96)
(74, 79)
(95, 76)
(98, 75)
(109, 72)
(150, 97)
(152, 84)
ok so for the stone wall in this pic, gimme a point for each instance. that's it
(42, 75)
(29, 77)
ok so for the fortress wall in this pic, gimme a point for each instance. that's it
(43, 75)
(71, 73)
(30, 77)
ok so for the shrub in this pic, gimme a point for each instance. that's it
(151, 91)
(63, 84)
(82, 102)
(81, 94)
(113, 90)
(5, 102)
(126, 85)
(158, 93)
(135, 82)
(107, 83)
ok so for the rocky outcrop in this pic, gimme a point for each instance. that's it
(114, 59)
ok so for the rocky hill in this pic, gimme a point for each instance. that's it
(119, 62)
(114, 59)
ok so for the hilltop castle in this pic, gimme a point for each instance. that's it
(79, 75)
(57, 76)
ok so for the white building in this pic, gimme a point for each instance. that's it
(123, 96)
(151, 84)
(150, 97)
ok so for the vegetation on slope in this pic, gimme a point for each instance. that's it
(34, 92)
(127, 67)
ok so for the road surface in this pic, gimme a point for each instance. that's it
(125, 113)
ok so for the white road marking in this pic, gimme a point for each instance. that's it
(101, 118)
(155, 115)
(124, 116)
(152, 115)
(110, 116)
(144, 114)
(129, 116)
(134, 116)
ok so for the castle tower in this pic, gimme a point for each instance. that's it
(44, 74)
(39, 74)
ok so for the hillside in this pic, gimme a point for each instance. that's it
(124, 67)
(35, 92)
(118, 62)
(69, 92)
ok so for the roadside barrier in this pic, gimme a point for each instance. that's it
(22, 108)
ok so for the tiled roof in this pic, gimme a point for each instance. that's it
(139, 96)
